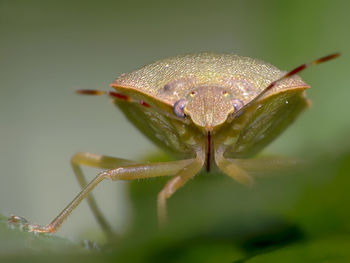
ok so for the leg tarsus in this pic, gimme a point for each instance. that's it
(162, 209)
(174, 184)
(23, 223)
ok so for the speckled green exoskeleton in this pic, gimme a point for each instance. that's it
(211, 111)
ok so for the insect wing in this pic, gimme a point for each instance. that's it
(262, 122)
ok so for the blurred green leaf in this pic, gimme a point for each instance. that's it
(334, 249)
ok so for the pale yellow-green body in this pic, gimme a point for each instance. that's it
(206, 109)
(164, 82)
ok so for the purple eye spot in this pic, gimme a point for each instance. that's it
(237, 105)
(179, 108)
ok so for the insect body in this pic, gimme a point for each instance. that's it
(209, 110)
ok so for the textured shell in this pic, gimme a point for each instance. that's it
(170, 79)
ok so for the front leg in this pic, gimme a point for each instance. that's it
(126, 172)
(232, 169)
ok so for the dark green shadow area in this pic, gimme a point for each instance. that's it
(301, 216)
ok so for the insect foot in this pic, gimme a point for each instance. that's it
(23, 224)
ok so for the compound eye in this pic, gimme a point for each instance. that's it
(237, 105)
(179, 108)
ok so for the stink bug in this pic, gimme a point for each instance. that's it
(208, 110)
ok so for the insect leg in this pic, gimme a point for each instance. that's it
(269, 164)
(175, 183)
(97, 161)
(128, 172)
(231, 169)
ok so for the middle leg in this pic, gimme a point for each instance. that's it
(232, 169)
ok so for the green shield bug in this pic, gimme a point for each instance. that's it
(208, 110)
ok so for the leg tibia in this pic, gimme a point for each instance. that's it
(97, 161)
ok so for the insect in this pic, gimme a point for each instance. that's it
(208, 110)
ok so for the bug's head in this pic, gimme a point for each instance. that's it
(208, 107)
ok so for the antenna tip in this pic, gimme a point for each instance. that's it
(327, 58)
(90, 92)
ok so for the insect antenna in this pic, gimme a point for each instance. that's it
(287, 75)
(93, 92)
(113, 94)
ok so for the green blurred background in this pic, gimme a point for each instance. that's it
(50, 48)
